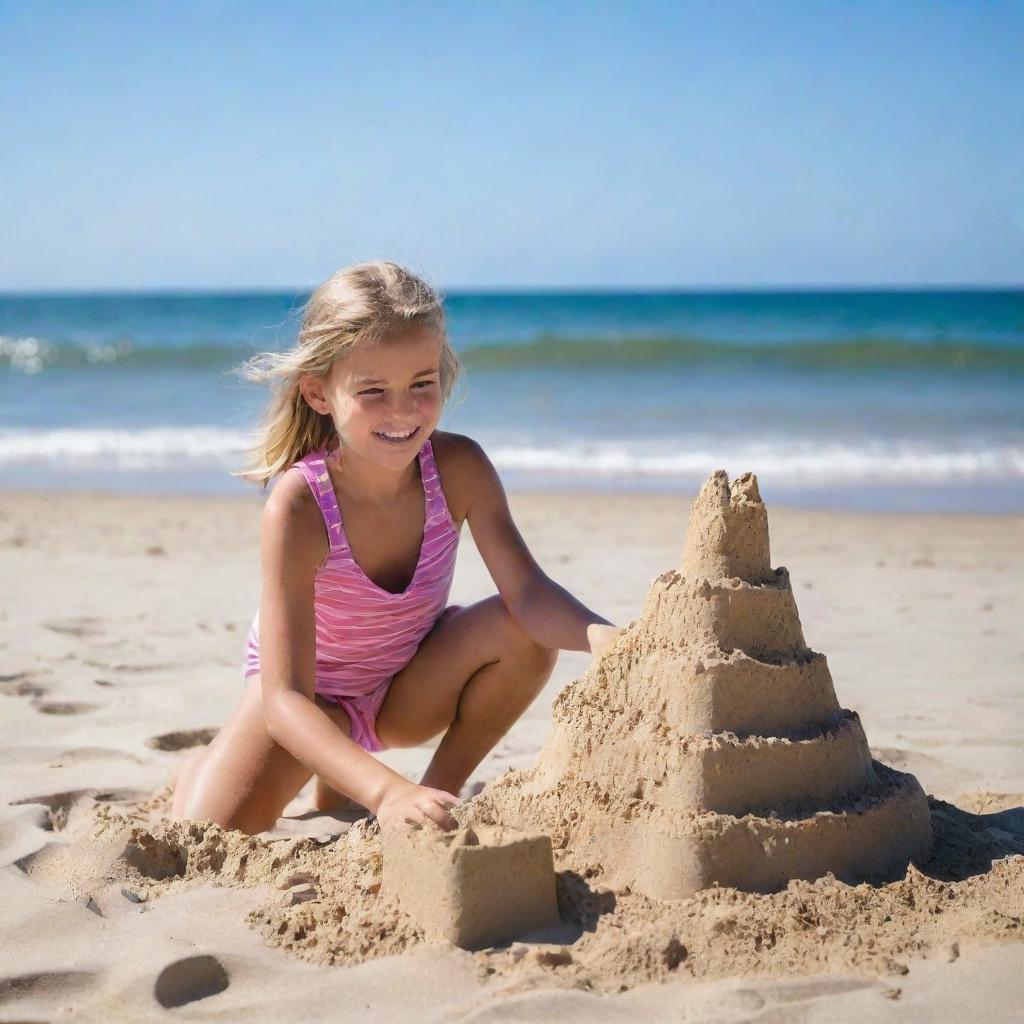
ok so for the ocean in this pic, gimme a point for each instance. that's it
(891, 400)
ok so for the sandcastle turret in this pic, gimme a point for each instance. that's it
(727, 535)
(708, 744)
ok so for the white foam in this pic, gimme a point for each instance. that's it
(143, 449)
(781, 460)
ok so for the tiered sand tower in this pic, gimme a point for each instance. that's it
(708, 745)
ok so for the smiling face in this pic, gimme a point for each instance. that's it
(384, 398)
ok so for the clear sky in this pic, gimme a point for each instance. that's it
(538, 144)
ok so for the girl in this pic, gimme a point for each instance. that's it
(353, 650)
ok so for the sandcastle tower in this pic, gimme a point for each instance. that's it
(708, 745)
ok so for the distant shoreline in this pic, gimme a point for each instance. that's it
(566, 497)
(832, 288)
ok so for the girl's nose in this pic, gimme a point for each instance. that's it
(403, 404)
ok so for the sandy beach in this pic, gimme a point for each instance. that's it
(122, 626)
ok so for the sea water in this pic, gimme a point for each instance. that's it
(878, 399)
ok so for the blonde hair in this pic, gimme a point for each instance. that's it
(354, 307)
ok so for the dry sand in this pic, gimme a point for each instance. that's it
(121, 633)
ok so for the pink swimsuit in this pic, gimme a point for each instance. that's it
(364, 634)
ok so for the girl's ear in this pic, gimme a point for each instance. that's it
(311, 388)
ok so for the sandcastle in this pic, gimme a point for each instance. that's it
(707, 745)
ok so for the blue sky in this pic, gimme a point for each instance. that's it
(511, 144)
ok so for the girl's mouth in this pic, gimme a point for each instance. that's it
(394, 438)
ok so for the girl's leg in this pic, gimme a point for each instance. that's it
(472, 677)
(328, 799)
(182, 781)
(245, 779)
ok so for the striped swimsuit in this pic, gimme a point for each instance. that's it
(364, 634)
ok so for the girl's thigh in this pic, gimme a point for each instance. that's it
(245, 778)
(424, 696)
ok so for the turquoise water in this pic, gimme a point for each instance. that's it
(890, 399)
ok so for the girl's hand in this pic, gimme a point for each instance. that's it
(600, 635)
(405, 803)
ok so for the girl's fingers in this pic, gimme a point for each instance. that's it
(438, 814)
(445, 798)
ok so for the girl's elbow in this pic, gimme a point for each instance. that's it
(279, 715)
(526, 593)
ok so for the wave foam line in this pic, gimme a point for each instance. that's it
(146, 448)
(780, 459)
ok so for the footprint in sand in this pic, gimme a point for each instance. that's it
(186, 981)
(19, 684)
(157, 666)
(81, 625)
(59, 805)
(63, 707)
(182, 739)
(80, 754)
(45, 983)
(89, 630)
(998, 702)
(909, 760)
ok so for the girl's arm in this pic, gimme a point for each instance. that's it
(545, 611)
(293, 545)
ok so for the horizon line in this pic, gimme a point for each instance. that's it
(516, 290)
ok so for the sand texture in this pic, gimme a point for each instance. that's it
(121, 642)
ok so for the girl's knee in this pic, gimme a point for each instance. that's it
(543, 659)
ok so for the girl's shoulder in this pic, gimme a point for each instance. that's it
(292, 516)
(463, 467)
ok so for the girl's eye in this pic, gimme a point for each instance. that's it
(374, 392)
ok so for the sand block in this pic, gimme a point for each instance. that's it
(475, 887)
